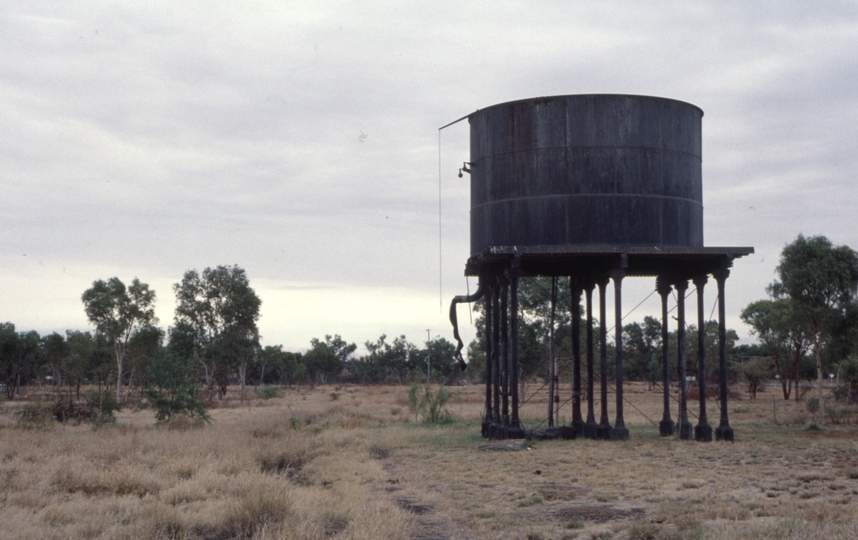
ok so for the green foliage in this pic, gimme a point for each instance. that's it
(848, 388)
(216, 315)
(431, 405)
(118, 312)
(326, 359)
(813, 405)
(822, 281)
(267, 392)
(388, 361)
(785, 336)
(20, 357)
(172, 391)
(642, 350)
(34, 416)
(755, 371)
(102, 407)
(279, 366)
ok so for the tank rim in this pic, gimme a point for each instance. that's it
(558, 96)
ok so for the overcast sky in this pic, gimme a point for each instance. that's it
(300, 141)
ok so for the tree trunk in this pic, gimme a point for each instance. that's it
(242, 372)
(817, 352)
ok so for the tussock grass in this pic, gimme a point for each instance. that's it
(301, 465)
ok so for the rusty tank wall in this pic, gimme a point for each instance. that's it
(586, 169)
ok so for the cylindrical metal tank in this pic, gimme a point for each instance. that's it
(586, 169)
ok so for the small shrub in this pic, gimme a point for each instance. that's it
(172, 390)
(65, 410)
(574, 524)
(813, 405)
(267, 392)
(102, 406)
(433, 406)
(377, 451)
(841, 415)
(34, 416)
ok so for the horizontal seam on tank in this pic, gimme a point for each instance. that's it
(611, 195)
(659, 149)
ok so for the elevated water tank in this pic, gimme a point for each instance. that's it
(586, 169)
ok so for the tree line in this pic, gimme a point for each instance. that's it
(214, 341)
(808, 326)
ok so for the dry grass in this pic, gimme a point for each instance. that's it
(306, 465)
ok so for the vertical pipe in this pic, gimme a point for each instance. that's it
(504, 350)
(723, 432)
(702, 431)
(577, 421)
(604, 429)
(590, 426)
(619, 433)
(666, 427)
(685, 429)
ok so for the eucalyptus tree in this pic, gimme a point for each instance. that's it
(217, 312)
(785, 335)
(118, 312)
(822, 280)
(9, 349)
(326, 359)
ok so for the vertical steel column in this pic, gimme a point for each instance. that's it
(590, 426)
(723, 432)
(514, 274)
(575, 290)
(604, 429)
(502, 281)
(666, 427)
(552, 365)
(496, 417)
(487, 420)
(702, 431)
(685, 429)
(619, 433)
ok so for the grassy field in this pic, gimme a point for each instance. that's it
(351, 462)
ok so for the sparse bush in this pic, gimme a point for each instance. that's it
(433, 406)
(813, 405)
(172, 390)
(102, 406)
(268, 392)
(755, 372)
(34, 416)
(848, 388)
(65, 410)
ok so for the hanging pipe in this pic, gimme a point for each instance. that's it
(455, 322)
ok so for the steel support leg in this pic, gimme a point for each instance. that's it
(603, 431)
(590, 426)
(723, 432)
(685, 428)
(515, 423)
(702, 431)
(577, 421)
(666, 427)
(487, 337)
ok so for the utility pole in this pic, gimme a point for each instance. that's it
(428, 357)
